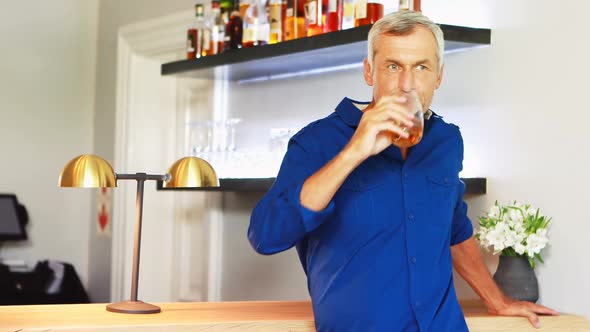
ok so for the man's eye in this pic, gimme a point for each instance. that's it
(393, 67)
(421, 67)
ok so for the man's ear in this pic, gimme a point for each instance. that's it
(367, 72)
(440, 76)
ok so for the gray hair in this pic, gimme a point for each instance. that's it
(403, 22)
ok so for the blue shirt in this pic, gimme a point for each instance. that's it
(378, 257)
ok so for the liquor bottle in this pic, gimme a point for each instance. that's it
(256, 27)
(334, 14)
(347, 14)
(198, 35)
(367, 12)
(294, 20)
(226, 7)
(300, 21)
(314, 23)
(234, 29)
(290, 22)
(414, 5)
(217, 29)
(276, 15)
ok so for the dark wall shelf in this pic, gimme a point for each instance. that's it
(474, 186)
(340, 48)
(239, 185)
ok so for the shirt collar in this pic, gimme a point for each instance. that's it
(351, 115)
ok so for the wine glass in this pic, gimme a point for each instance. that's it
(231, 133)
(411, 101)
(198, 138)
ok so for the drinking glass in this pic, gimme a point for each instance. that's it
(412, 102)
(198, 138)
(231, 133)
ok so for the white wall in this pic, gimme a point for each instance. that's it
(46, 119)
(113, 15)
(525, 136)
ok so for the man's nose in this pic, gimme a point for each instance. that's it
(406, 81)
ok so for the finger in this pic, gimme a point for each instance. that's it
(397, 118)
(533, 318)
(390, 127)
(543, 310)
(393, 113)
(407, 119)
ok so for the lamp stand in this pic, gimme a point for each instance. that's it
(133, 306)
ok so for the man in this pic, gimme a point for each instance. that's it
(379, 228)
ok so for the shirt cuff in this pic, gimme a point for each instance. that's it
(310, 219)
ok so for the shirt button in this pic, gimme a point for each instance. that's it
(413, 259)
(446, 180)
(405, 176)
(417, 304)
(411, 216)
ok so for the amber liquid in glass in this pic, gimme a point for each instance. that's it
(374, 13)
(415, 136)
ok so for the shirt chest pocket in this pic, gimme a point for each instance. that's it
(366, 198)
(442, 197)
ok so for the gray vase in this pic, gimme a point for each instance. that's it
(517, 279)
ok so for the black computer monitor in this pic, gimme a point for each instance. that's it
(12, 218)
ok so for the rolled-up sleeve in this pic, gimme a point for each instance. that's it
(279, 220)
(461, 228)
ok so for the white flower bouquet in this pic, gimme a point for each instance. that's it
(514, 230)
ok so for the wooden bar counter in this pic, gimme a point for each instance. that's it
(231, 316)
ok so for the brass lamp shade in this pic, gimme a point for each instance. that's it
(191, 172)
(88, 171)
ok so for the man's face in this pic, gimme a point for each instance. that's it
(402, 63)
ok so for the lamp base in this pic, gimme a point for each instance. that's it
(133, 307)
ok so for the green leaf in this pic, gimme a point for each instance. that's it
(510, 252)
